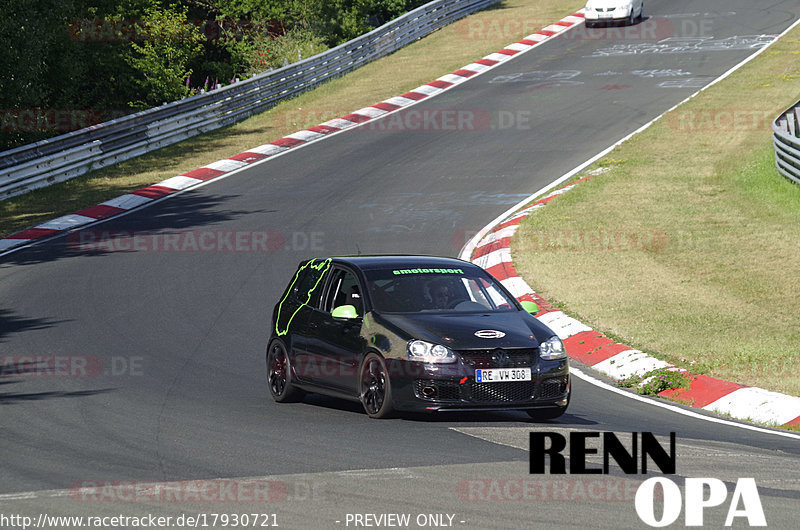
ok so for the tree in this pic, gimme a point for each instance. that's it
(162, 60)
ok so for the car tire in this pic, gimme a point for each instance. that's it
(279, 375)
(641, 13)
(546, 414)
(632, 18)
(375, 389)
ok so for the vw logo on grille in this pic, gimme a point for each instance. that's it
(489, 334)
(501, 358)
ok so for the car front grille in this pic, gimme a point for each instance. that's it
(442, 390)
(499, 358)
(508, 392)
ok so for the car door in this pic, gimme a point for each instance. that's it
(337, 345)
(299, 312)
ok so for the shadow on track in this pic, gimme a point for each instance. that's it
(184, 212)
(11, 398)
(11, 323)
(318, 400)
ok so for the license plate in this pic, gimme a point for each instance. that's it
(502, 375)
(604, 15)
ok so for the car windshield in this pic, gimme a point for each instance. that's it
(435, 290)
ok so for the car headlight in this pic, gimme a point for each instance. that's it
(419, 350)
(552, 349)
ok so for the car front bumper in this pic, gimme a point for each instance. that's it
(454, 388)
(616, 16)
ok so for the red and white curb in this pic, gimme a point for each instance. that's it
(615, 360)
(144, 196)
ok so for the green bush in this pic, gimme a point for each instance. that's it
(655, 381)
(260, 53)
(162, 60)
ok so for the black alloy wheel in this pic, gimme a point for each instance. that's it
(375, 387)
(279, 376)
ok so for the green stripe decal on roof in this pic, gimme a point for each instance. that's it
(428, 271)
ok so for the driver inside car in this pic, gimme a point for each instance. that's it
(441, 295)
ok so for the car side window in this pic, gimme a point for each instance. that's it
(308, 288)
(344, 290)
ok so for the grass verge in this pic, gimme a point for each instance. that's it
(437, 54)
(688, 245)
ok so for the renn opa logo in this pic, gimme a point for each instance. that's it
(699, 493)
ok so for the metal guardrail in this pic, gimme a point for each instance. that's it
(63, 157)
(786, 138)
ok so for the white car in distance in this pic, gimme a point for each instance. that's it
(604, 11)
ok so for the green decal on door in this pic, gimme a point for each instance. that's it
(321, 267)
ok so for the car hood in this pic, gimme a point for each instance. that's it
(457, 330)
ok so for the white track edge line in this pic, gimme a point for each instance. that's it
(661, 404)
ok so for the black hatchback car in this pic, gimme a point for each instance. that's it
(413, 333)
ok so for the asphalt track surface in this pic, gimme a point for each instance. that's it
(178, 338)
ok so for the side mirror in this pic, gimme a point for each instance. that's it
(347, 312)
(530, 307)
